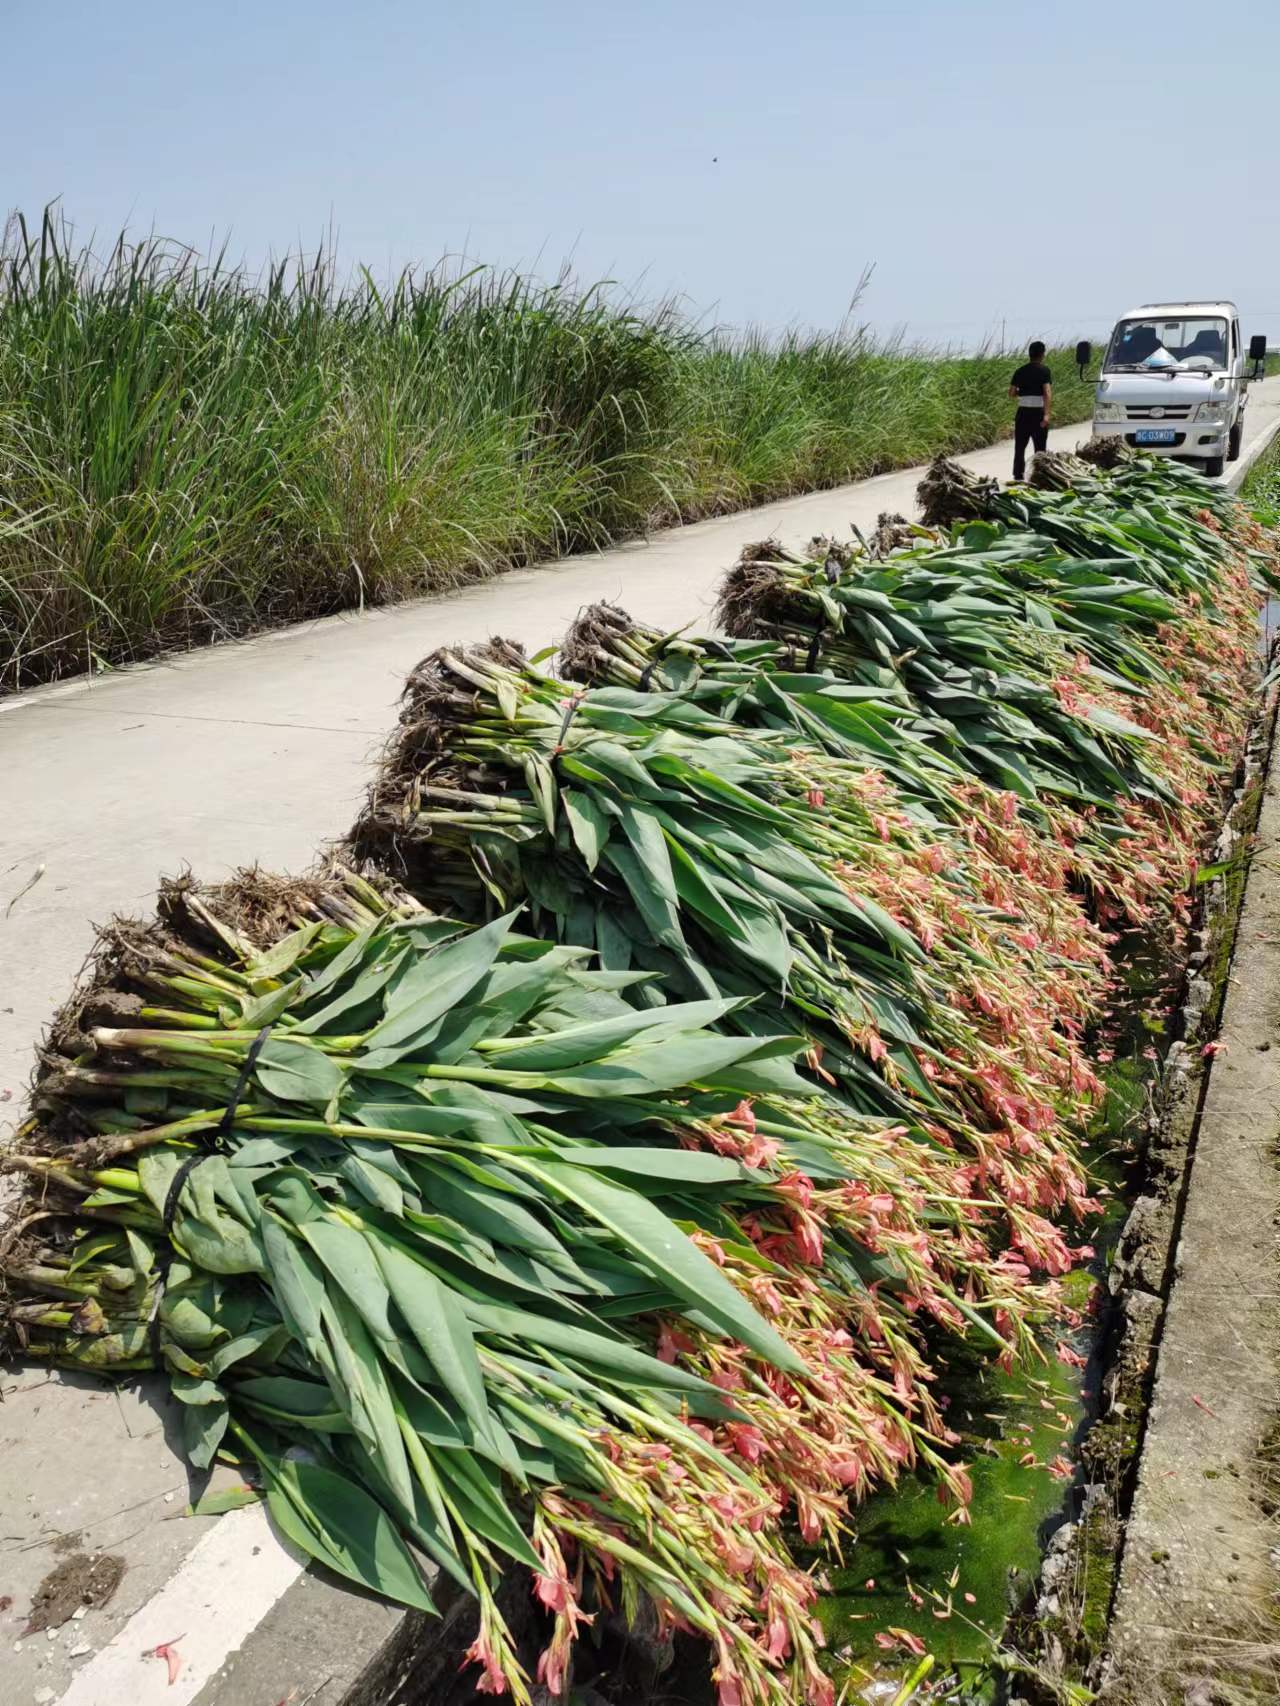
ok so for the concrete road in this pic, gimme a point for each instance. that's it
(253, 752)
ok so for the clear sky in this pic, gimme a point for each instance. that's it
(995, 160)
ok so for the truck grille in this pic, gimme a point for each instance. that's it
(1159, 412)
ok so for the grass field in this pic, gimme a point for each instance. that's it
(188, 454)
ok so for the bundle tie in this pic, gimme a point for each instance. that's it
(178, 1182)
(565, 726)
(221, 1130)
(815, 643)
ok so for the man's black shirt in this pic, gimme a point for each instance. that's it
(1031, 379)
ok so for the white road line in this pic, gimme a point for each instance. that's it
(225, 1587)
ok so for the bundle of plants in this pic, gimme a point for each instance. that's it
(1102, 452)
(1060, 471)
(756, 683)
(733, 860)
(1163, 518)
(1013, 858)
(1076, 684)
(472, 1260)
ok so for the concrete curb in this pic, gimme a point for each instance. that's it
(1198, 1570)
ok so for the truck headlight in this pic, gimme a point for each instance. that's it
(1108, 411)
(1214, 410)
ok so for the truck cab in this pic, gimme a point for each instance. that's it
(1173, 381)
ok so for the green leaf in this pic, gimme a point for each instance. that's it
(156, 1168)
(301, 1403)
(574, 1044)
(347, 1256)
(279, 959)
(346, 960)
(437, 1321)
(296, 1284)
(218, 1244)
(670, 1257)
(432, 986)
(362, 1388)
(343, 1527)
(612, 1355)
(491, 1213)
(670, 1063)
(297, 1072)
(474, 1489)
(674, 1166)
(217, 1502)
(266, 1009)
(195, 1389)
(364, 989)
(589, 824)
(266, 1341)
(203, 1427)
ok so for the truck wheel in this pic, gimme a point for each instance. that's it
(1233, 440)
(1213, 466)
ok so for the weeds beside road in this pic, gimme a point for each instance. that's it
(187, 454)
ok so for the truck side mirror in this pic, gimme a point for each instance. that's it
(1258, 347)
(1084, 354)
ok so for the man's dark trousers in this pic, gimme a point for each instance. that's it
(1028, 428)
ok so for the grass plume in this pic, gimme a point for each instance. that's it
(189, 453)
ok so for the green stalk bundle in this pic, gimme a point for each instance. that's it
(418, 1276)
(1090, 653)
(590, 1177)
(732, 860)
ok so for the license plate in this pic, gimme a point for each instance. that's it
(1155, 435)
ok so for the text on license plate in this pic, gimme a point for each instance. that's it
(1155, 435)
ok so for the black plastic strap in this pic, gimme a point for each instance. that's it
(815, 644)
(646, 675)
(220, 1133)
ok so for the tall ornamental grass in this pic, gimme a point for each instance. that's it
(188, 453)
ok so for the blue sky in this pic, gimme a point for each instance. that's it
(995, 161)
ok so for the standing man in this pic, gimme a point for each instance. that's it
(1032, 389)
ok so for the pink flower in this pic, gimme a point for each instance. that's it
(725, 1678)
(481, 1652)
(892, 1637)
(797, 1185)
(552, 1590)
(778, 1644)
(747, 1441)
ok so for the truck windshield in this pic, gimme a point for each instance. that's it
(1188, 346)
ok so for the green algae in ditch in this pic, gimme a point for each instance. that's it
(945, 1583)
(924, 1567)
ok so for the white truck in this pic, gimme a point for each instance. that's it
(1175, 380)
